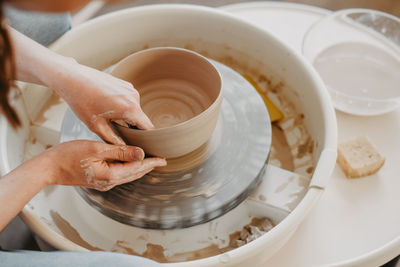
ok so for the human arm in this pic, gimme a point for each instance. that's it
(79, 163)
(95, 97)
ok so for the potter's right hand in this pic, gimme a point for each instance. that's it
(95, 165)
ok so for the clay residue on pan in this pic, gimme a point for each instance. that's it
(143, 237)
(156, 252)
(310, 170)
(153, 251)
(209, 251)
(256, 228)
(297, 197)
(69, 231)
(280, 149)
(121, 246)
(284, 185)
(262, 198)
(307, 147)
(53, 101)
(298, 139)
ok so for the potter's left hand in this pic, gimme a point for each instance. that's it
(96, 97)
(79, 163)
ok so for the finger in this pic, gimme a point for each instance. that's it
(139, 170)
(120, 171)
(134, 177)
(139, 119)
(103, 185)
(121, 153)
(103, 129)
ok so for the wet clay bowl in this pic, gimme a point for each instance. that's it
(180, 91)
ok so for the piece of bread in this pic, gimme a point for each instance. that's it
(359, 157)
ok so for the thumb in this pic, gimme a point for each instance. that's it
(103, 129)
(130, 171)
(121, 153)
(139, 119)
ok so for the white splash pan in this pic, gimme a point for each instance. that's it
(104, 41)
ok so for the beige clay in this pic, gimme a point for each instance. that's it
(181, 93)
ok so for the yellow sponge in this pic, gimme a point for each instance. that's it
(274, 113)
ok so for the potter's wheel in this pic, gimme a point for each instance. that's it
(202, 185)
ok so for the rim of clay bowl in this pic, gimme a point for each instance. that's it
(213, 105)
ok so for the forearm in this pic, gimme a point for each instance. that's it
(97, 98)
(18, 187)
(37, 64)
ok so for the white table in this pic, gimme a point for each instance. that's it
(357, 221)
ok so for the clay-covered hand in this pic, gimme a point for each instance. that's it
(96, 165)
(95, 97)
(98, 98)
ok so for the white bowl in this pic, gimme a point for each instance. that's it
(357, 53)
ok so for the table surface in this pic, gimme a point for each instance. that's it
(341, 196)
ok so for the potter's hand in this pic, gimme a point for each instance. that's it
(82, 163)
(98, 98)
(96, 165)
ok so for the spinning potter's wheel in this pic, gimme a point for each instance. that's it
(202, 185)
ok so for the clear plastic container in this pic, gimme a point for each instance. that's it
(357, 54)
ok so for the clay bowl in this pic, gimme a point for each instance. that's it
(180, 91)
